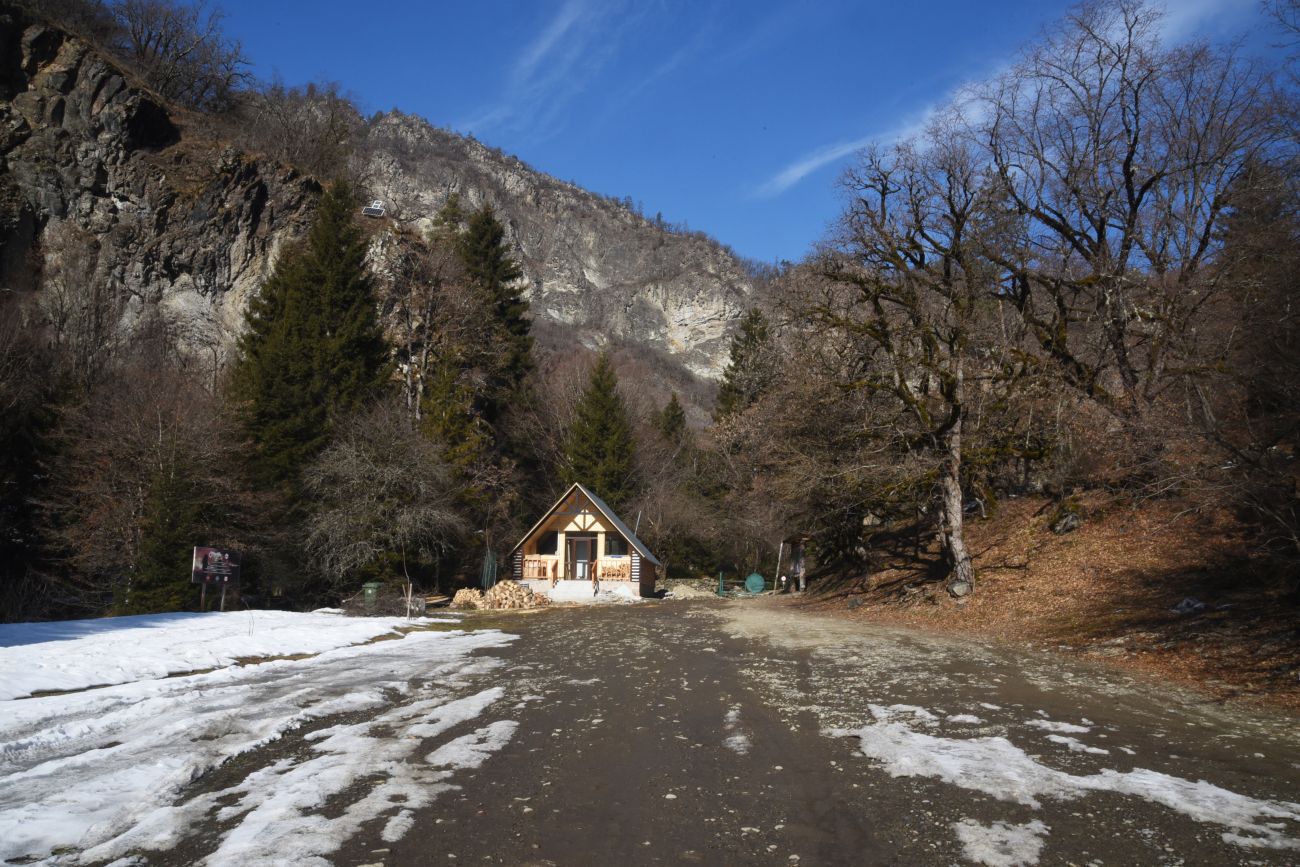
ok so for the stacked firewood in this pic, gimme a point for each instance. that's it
(470, 597)
(506, 594)
(510, 594)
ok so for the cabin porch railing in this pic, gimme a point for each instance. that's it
(614, 568)
(541, 567)
(547, 567)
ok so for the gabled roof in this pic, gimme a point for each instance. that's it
(605, 511)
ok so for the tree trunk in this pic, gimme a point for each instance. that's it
(961, 574)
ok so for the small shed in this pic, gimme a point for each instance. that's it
(580, 547)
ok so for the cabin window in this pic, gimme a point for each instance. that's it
(548, 542)
(615, 546)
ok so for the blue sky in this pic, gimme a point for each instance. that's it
(734, 117)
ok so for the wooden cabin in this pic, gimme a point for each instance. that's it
(581, 541)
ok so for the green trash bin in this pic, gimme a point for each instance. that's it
(371, 593)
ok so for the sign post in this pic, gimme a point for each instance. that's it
(214, 566)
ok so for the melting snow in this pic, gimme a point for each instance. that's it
(997, 767)
(899, 710)
(1076, 746)
(101, 771)
(473, 749)
(1063, 727)
(75, 654)
(736, 740)
(965, 719)
(1000, 844)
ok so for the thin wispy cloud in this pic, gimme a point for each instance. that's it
(1181, 20)
(702, 39)
(821, 157)
(768, 30)
(547, 41)
(557, 65)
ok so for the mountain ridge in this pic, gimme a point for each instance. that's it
(103, 178)
(626, 277)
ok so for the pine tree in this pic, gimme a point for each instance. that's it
(491, 268)
(600, 448)
(161, 578)
(482, 361)
(671, 421)
(447, 222)
(452, 420)
(751, 368)
(313, 349)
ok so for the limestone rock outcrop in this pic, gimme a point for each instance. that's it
(591, 264)
(165, 214)
(180, 222)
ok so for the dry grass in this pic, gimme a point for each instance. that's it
(1108, 590)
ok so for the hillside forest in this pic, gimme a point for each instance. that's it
(1080, 276)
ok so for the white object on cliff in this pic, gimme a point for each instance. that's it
(374, 209)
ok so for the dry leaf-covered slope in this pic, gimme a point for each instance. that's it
(1109, 591)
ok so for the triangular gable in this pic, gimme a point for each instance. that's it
(606, 512)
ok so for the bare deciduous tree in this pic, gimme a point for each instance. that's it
(314, 127)
(1116, 157)
(382, 488)
(26, 393)
(82, 309)
(149, 421)
(181, 50)
(906, 289)
(430, 313)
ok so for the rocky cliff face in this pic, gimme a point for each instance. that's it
(163, 212)
(591, 264)
(168, 218)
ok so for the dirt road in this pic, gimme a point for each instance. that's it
(703, 733)
(741, 733)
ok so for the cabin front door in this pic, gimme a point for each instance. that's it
(582, 557)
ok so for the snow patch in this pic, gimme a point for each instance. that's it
(1001, 844)
(473, 749)
(997, 767)
(736, 741)
(100, 771)
(279, 821)
(397, 827)
(1061, 727)
(1076, 746)
(894, 711)
(965, 719)
(76, 654)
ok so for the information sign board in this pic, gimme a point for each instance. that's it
(215, 566)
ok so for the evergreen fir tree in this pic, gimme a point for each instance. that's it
(672, 421)
(482, 370)
(491, 268)
(161, 578)
(313, 349)
(600, 448)
(447, 222)
(751, 367)
(452, 420)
